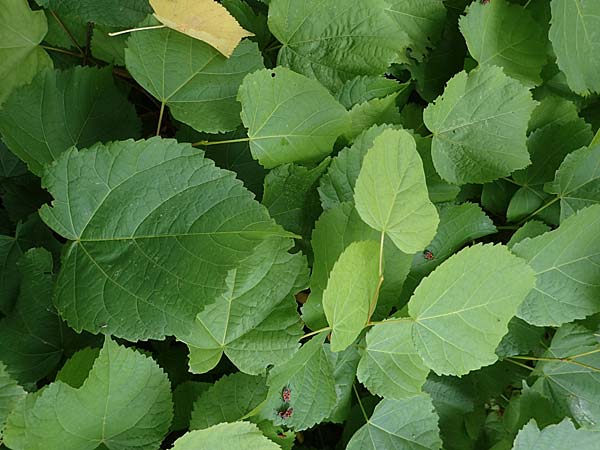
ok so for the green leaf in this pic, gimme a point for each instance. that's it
(390, 366)
(10, 165)
(253, 321)
(309, 377)
(77, 368)
(563, 435)
(196, 82)
(250, 20)
(552, 110)
(351, 292)
(58, 110)
(147, 271)
(479, 126)
(530, 229)
(225, 436)
(566, 262)
(520, 339)
(109, 48)
(377, 111)
(364, 88)
(31, 335)
(127, 404)
(462, 309)
(184, 397)
(506, 35)
(10, 394)
(422, 21)
(576, 44)
(335, 230)
(289, 117)
(228, 400)
(21, 30)
(391, 194)
(114, 13)
(344, 372)
(577, 181)
(574, 388)
(403, 424)
(336, 40)
(530, 404)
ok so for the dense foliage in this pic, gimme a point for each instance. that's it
(308, 224)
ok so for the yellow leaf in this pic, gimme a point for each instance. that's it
(206, 20)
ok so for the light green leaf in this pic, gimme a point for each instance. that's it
(574, 388)
(58, 110)
(422, 20)
(196, 82)
(289, 117)
(479, 126)
(563, 435)
(115, 13)
(257, 291)
(567, 266)
(531, 229)
(506, 35)
(225, 436)
(334, 231)
(10, 394)
(364, 88)
(459, 225)
(576, 43)
(126, 400)
(351, 291)
(409, 424)
(21, 30)
(148, 270)
(391, 194)
(228, 400)
(31, 335)
(390, 366)
(377, 111)
(462, 309)
(309, 377)
(336, 40)
(552, 110)
(525, 201)
(577, 181)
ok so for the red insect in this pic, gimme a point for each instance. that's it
(281, 435)
(285, 413)
(428, 255)
(286, 394)
(485, 2)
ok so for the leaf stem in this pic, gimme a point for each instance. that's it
(524, 366)
(567, 360)
(380, 280)
(66, 30)
(227, 141)
(396, 320)
(133, 30)
(362, 408)
(61, 50)
(314, 333)
(509, 180)
(160, 118)
(539, 210)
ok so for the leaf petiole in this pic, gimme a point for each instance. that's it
(133, 30)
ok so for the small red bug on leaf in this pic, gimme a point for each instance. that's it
(286, 394)
(485, 2)
(286, 413)
(281, 435)
(428, 255)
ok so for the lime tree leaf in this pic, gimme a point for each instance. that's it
(575, 43)
(58, 110)
(410, 424)
(531, 229)
(567, 266)
(459, 225)
(289, 117)
(344, 371)
(108, 48)
(520, 339)
(391, 194)
(10, 394)
(148, 270)
(196, 82)
(225, 436)
(10, 252)
(530, 404)
(31, 335)
(552, 110)
(364, 88)
(257, 292)
(10, 165)
(563, 435)
(577, 181)
(506, 35)
(309, 377)
(422, 21)
(206, 20)
(336, 40)
(184, 397)
(462, 309)
(351, 291)
(114, 13)
(335, 230)
(377, 111)
(251, 20)
(228, 400)
(126, 400)
(21, 30)
(479, 126)
(77, 368)
(574, 388)
(390, 366)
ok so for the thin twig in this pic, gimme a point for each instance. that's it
(360, 403)
(314, 333)
(160, 118)
(227, 141)
(539, 210)
(380, 280)
(60, 50)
